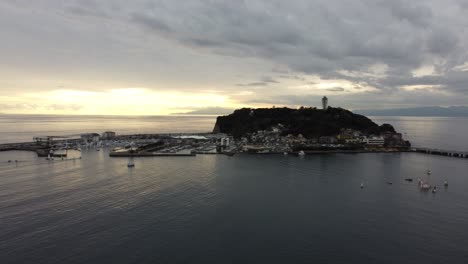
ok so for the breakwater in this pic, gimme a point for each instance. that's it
(43, 151)
(441, 152)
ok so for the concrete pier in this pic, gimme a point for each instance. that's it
(441, 152)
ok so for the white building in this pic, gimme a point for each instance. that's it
(225, 142)
(375, 141)
(325, 103)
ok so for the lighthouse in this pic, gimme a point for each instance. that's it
(325, 103)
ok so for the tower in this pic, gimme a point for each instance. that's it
(325, 103)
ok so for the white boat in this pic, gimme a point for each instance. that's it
(425, 186)
(130, 163)
(362, 185)
(301, 153)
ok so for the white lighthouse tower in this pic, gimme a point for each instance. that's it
(325, 103)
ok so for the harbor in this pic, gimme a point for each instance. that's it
(189, 145)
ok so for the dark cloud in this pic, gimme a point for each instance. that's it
(321, 37)
(253, 84)
(336, 89)
(297, 40)
(267, 79)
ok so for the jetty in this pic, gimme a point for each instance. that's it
(24, 146)
(150, 154)
(442, 152)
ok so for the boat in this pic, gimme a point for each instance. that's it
(408, 179)
(445, 183)
(425, 186)
(429, 172)
(434, 190)
(389, 182)
(362, 185)
(285, 153)
(301, 153)
(130, 163)
(49, 157)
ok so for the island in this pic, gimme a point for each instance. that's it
(307, 129)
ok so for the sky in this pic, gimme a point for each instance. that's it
(160, 57)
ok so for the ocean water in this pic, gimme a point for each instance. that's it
(447, 133)
(240, 209)
(22, 128)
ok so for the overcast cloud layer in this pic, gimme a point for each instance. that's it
(158, 57)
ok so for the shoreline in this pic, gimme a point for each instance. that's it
(43, 151)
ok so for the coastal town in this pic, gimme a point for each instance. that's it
(259, 134)
(336, 131)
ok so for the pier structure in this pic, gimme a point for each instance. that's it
(442, 152)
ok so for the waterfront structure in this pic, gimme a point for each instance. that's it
(90, 138)
(225, 142)
(325, 103)
(327, 140)
(108, 135)
(375, 141)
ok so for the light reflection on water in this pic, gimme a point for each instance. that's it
(435, 132)
(246, 209)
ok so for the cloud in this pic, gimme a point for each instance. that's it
(377, 48)
(253, 84)
(208, 111)
(335, 89)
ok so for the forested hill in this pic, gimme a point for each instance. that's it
(310, 122)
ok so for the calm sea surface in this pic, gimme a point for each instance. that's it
(240, 209)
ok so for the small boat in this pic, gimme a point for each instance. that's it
(408, 179)
(389, 182)
(425, 186)
(362, 185)
(130, 163)
(49, 157)
(429, 172)
(285, 153)
(228, 153)
(301, 153)
(446, 183)
(434, 190)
